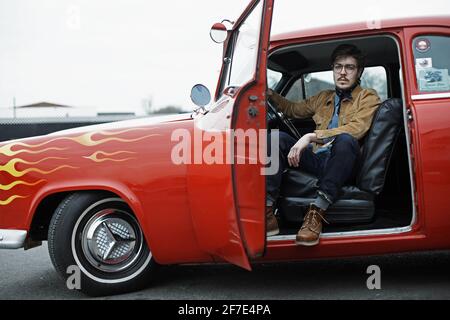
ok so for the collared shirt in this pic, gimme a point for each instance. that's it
(334, 123)
(355, 116)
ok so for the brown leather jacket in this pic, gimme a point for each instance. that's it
(355, 116)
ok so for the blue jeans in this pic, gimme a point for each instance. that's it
(333, 168)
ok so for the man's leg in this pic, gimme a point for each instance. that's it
(273, 182)
(337, 168)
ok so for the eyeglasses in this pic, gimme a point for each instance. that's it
(349, 68)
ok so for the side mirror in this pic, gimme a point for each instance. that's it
(200, 95)
(218, 33)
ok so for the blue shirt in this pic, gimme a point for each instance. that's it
(333, 124)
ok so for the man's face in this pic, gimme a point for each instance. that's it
(345, 72)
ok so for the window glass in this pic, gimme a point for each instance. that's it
(245, 53)
(318, 81)
(273, 77)
(295, 93)
(373, 78)
(431, 58)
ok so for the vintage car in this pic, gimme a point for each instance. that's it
(118, 200)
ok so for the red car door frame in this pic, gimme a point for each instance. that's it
(430, 133)
(229, 221)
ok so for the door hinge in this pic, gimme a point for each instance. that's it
(409, 115)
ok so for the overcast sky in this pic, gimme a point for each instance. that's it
(113, 54)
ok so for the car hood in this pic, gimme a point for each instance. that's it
(125, 124)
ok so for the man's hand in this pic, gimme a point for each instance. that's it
(297, 149)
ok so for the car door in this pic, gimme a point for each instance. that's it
(226, 186)
(429, 115)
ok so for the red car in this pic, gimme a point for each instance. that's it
(117, 200)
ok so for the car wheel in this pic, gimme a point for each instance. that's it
(97, 235)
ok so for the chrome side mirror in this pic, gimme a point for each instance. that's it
(200, 95)
(218, 33)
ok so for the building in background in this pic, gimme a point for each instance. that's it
(46, 109)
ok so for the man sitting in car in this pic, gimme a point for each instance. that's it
(342, 116)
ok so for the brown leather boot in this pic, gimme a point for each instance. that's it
(271, 223)
(309, 233)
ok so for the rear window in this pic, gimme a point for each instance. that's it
(312, 83)
(431, 57)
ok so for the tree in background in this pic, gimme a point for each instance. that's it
(168, 109)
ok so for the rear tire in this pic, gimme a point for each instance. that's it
(99, 234)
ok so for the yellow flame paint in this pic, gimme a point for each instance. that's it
(19, 182)
(11, 199)
(11, 169)
(84, 139)
(111, 133)
(94, 156)
(6, 150)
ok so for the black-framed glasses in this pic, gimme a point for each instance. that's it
(349, 68)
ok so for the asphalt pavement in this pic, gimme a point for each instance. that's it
(30, 275)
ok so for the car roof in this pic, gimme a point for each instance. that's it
(437, 21)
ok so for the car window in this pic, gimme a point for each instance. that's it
(296, 93)
(373, 77)
(431, 56)
(273, 78)
(245, 52)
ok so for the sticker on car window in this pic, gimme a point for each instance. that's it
(424, 63)
(431, 79)
(423, 45)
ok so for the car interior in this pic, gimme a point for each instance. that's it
(380, 195)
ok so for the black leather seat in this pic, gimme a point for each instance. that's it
(356, 202)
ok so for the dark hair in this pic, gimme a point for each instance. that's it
(349, 50)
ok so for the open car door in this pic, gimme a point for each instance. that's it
(227, 189)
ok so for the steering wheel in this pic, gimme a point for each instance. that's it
(274, 115)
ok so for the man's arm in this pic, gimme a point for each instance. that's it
(302, 109)
(302, 144)
(361, 122)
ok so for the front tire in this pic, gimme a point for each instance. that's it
(99, 234)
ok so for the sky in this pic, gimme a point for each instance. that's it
(113, 55)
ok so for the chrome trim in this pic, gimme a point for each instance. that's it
(12, 239)
(388, 231)
(77, 260)
(406, 121)
(347, 234)
(427, 96)
(107, 249)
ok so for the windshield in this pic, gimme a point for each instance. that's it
(242, 66)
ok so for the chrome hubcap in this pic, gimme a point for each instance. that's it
(111, 240)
